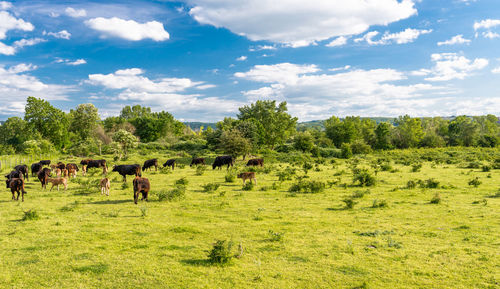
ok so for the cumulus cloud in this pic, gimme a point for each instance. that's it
(448, 66)
(403, 37)
(486, 24)
(63, 34)
(164, 93)
(490, 35)
(315, 94)
(299, 23)
(4, 5)
(9, 22)
(129, 29)
(242, 58)
(458, 39)
(16, 86)
(76, 13)
(77, 62)
(339, 41)
(496, 70)
(263, 47)
(28, 42)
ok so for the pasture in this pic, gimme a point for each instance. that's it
(389, 235)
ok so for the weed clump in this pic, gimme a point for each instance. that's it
(200, 170)
(429, 184)
(221, 252)
(230, 177)
(177, 193)
(436, 199)
(349, 203)
(276, 236)
(411, 184)
(30, 215)
(248, 186)
(307, 187)
(210, 187)
(379, 204)
(475, 182)
(363, 177)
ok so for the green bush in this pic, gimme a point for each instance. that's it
(416, 167)
(30, 215)
(248, 186)
(275, 236)
(210, 187)
(363, 177)
(436, 199)
(429, 184)
(221, 252)
(475, 182)
(286, 175)
(230, 177)
(345, 151)
(349, 203)
(200, 170)
(379, 204)
(177, 193)
(486, 168)
(182, 182)
(411, 184)
(307, 187)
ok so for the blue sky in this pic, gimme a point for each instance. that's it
(202, 59)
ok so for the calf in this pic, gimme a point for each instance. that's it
(141, 185)
(197, 161)
(150, 163)
(17, 185)
(104, 184)
(45, 162)
(222, 161)
(35, 168)
(125, 170)
(57, 182)
(22, 169)
(43, 176)
(169, 163)
(61, 166)
(255, 162)
(72, 169)
(58, 172)
(247, 176)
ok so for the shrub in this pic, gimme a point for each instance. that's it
(230, 177)
(248, 186)
(306, 167)
(179, 192)
(379, 204)
(360, 147)
(359, 194)
(436, 199)
(210, 187)
(411, 184)
(345, 151)
(363, 177)
(486, 168)
(475, 182)
(429, 184)
(200, 170)
(416, 167)
(182, 182)
(286, 175)
(275, 236)
(386, 167)
(221, 252)
(349, 203)
(474, 165)
(30, 215)
(307, 187)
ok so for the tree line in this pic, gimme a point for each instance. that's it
(260, 125)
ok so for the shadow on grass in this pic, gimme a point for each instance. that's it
(112, 202)
(337, 209)
(197, 262)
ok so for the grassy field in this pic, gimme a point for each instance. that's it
(82, 239)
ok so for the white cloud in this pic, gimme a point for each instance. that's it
(263, 47)
(242, 58)
(16, 86)
(6, 49)
(76, 13)
(458, 39)
(314, 94)
(486, 24)
(77, 62)
(496, 70)
(63, 34)
(164, 93)
(403, 37)
(4, 5)
(299, 23)
(448, 66)
(28, 42)
(490, 35)
(129, 29)
(9, 22)
(339, 41)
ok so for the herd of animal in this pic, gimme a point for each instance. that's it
(43, 171)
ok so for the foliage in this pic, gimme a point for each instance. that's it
(84, 120)
(307, 187)
(248, 186)
(275, 236)
(436, 199)
(221, 252)
(30, 215)
(178, 192)
(210, 187)
(125, 139)
(363, 177)
(345, 151)
(475, 182)
(234, 144)
(303, 141)
(200, 170)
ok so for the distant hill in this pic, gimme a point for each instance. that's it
(195, 125)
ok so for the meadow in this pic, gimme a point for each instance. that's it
(424, 223)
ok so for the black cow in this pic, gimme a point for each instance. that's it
(45, 162)
(125, 170)
(150, 163)
(141, 185)
(197, 161)
(35, 168)
(61, 166)
(222, 161)
(17, 185)
(23, 169)
(13, 175)
(89, 163)
(43, 175)
(169, 163)
(255, 162)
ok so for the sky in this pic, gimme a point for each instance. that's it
(202, 59)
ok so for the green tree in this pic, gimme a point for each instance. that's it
(303, 141)
(383, 136)
(84, 120)
(50, 122)
(408, 132)
(233, 143)
(125, 139)
(135, 111)
(14, 132)
(344, 131)
(463, 131)
(153, 126)
(273, 124)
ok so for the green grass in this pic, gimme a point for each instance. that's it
(82, 239)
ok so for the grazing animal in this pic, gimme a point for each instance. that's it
(35, 168)
(13, 175)
(57, 182)
(45, 162)
(104, 184)
(255, 162)
(61, 166)
(247, 176)
(150, 163)
(72, 169)
(141, 185)
(222, 161)
(23, 169)
(17, 186)
(84, 170)
(95, 164)
(169, 163)
(125, 170)
(58, 172)
(43, 176)
(197, 161)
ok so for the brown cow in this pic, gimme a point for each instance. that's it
(17, 185)
(43, 175)
(248, 176)
(57, 182)
(104, 184)
(255, 162)
(141, 185)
